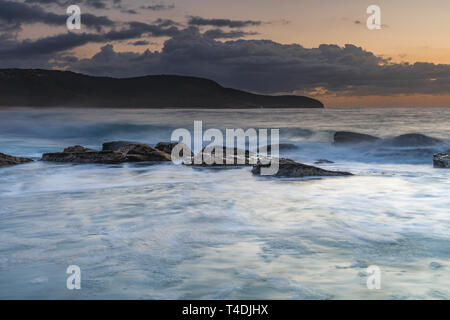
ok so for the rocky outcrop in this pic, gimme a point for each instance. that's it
(77, 149)
(441, 160)
(291, 169)
(413, 140)
(143, 152)
(236, 157)
(106, 157)
(167, 147)
(346, 137)
(134, 152)
(116, 145)
(7, 160)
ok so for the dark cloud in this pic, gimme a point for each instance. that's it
(256, 65)
(97, 4)
(220, 34)
(47, 46)
(199, 21)
(129, 11)
(159, 7)
(44, 2)
(141, 43)
(11, 49)
(16, 14)
(267, 66)
(166, 23)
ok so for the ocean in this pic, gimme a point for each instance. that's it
(165, 231)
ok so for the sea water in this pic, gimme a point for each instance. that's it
(165, 231)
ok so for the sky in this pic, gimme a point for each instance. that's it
(321, 48)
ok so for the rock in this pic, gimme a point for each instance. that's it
(207, 158)
(76, 149)
(167, 147)
(344, 137)
(115, 145)
(441, 160)
(143, 152)
(289, 168)
(322, 161)
(127, 153)
(413, 140)
(106, 157)
(6, 160)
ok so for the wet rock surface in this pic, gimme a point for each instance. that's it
(209, 157)
(441, 160)
(134, 152)
(168, 147)
(291, 169)
(347, 137)
(116, 145)
(413, 140)
(7, 160)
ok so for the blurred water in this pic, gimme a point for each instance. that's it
(146, 231)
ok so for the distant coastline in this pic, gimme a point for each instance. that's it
(50, 88)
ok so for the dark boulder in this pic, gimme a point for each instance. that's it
(346, 137)
(167, 147)
(235, 157)
(289, 168)
(77, 149)
(143, 152)
(413, 140)
(115, 145)
(106, 157)
(7, 160)
(441, 160)
(127, 153)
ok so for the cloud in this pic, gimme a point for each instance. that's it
(257, 65)
(159, 7)
(27, 49)
(270, 67)
(16, 14)
(220, 34)
(129, 11)
(199, 21)
(96, 4)
(141, 43)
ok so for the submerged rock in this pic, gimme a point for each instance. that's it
(167, 147)
(127, 153)
(7, 160)
(413, 140)
(344, 137)
(441, 160)
(289, 168)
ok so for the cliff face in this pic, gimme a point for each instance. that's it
(48, 88)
